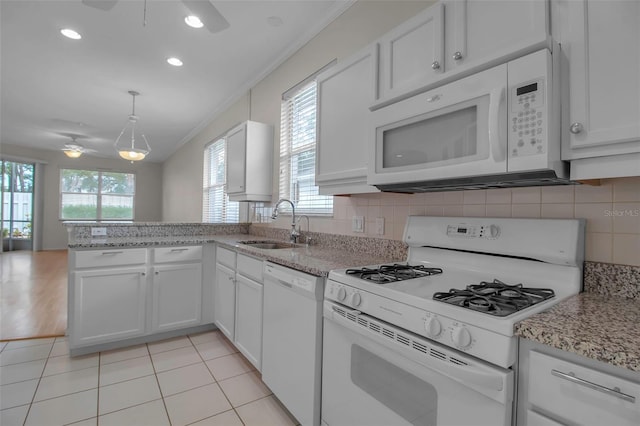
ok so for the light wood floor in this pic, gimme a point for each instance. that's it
(33, 294)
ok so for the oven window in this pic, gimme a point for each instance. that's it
(433, 139)
(411, 398)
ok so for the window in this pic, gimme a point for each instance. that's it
(216, 207)
(298, 151)
(96, 195)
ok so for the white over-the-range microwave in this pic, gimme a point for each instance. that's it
(496, 128)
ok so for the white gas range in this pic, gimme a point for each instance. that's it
(449, 311)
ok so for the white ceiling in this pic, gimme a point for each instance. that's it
(53, 87)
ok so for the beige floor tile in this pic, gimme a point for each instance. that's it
(184, 378)
(24, 354)
(205, 337)
(229, 366)
(66, 383)
(149, 414)
(123, 354)
(17, 394)
(64, 410)
(169, 344)
(196, 404)
(175, 358)
(20, 372)
(60, 349)
(14, 416)
(63, 364)
(244, 388)
(228, 418)
(127, 394)
(125, 370)
(264, 412)
(215, 348)
(89, 422)
(17, 344)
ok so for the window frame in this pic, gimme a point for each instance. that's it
(98, 195)
(207, 186)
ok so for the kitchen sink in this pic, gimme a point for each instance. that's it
(268, 244)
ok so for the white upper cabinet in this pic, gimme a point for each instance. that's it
(601, 78)
(453, 39)
(411, 55)
(250, 162)
(345, 92)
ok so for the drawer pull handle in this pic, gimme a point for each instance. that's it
(615, 391)
(105, 253)
(178, 250)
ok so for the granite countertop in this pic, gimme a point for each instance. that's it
(596, 326)
(314, 260)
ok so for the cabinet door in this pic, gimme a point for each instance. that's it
(600, 40)
(177, 296)
(487, 32)
(344, 94)
(411, 55)
(248, 333)
(108, 305)
(236, 159)
(225, 300)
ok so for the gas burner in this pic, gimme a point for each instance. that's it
(392, 273)
(495, 298)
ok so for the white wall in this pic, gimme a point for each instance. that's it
(355, 28)
(148, 199)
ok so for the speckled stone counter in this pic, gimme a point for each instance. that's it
(599, 324)
(327, 253)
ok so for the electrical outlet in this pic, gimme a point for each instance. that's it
(98, 232)
(357, 224)
(379, 225)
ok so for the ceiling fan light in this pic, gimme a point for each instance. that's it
(174, 61)
(193, 21)
(69, 33)
(72, 153)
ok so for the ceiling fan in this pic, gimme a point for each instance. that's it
(74, 149)
(203, 9)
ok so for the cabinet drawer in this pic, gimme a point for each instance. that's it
(226, 257)
(177, 254)
(585, 396)
(111, 257)
(250, 267)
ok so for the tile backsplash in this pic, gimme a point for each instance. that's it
(611, 210)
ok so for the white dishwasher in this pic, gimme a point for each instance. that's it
(292, 340)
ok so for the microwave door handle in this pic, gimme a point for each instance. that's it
(497, 141)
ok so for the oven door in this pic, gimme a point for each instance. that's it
(376, 374)
(459, 129)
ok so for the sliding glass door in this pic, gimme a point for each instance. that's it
(17, 205)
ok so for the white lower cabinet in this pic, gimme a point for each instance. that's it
(120, 294)
(108, 305)
(561, 388)
(177, 296)
(238, 302)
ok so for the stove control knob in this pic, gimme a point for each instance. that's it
(356, 300)
(433, 327)
(461, 337)
(494, 231)
(342, 294)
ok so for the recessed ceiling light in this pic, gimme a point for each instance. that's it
(193, 21)
(175, 62)
(68, 32)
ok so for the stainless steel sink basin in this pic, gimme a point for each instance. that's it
(270, 245)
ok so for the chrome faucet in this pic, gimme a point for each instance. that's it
(294, 232)
(307, 237)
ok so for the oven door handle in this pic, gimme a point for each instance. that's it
(482, 378)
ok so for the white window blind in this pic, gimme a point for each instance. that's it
(216, 207)
(298, 152)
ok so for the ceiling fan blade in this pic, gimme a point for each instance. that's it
(105, 5)
(208, 14)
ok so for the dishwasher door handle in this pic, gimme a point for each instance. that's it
(577, 380)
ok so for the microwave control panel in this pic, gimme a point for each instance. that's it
(527, 119)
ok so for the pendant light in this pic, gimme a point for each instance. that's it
(130, 151)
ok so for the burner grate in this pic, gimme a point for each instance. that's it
(392, 273)
(495, 298)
